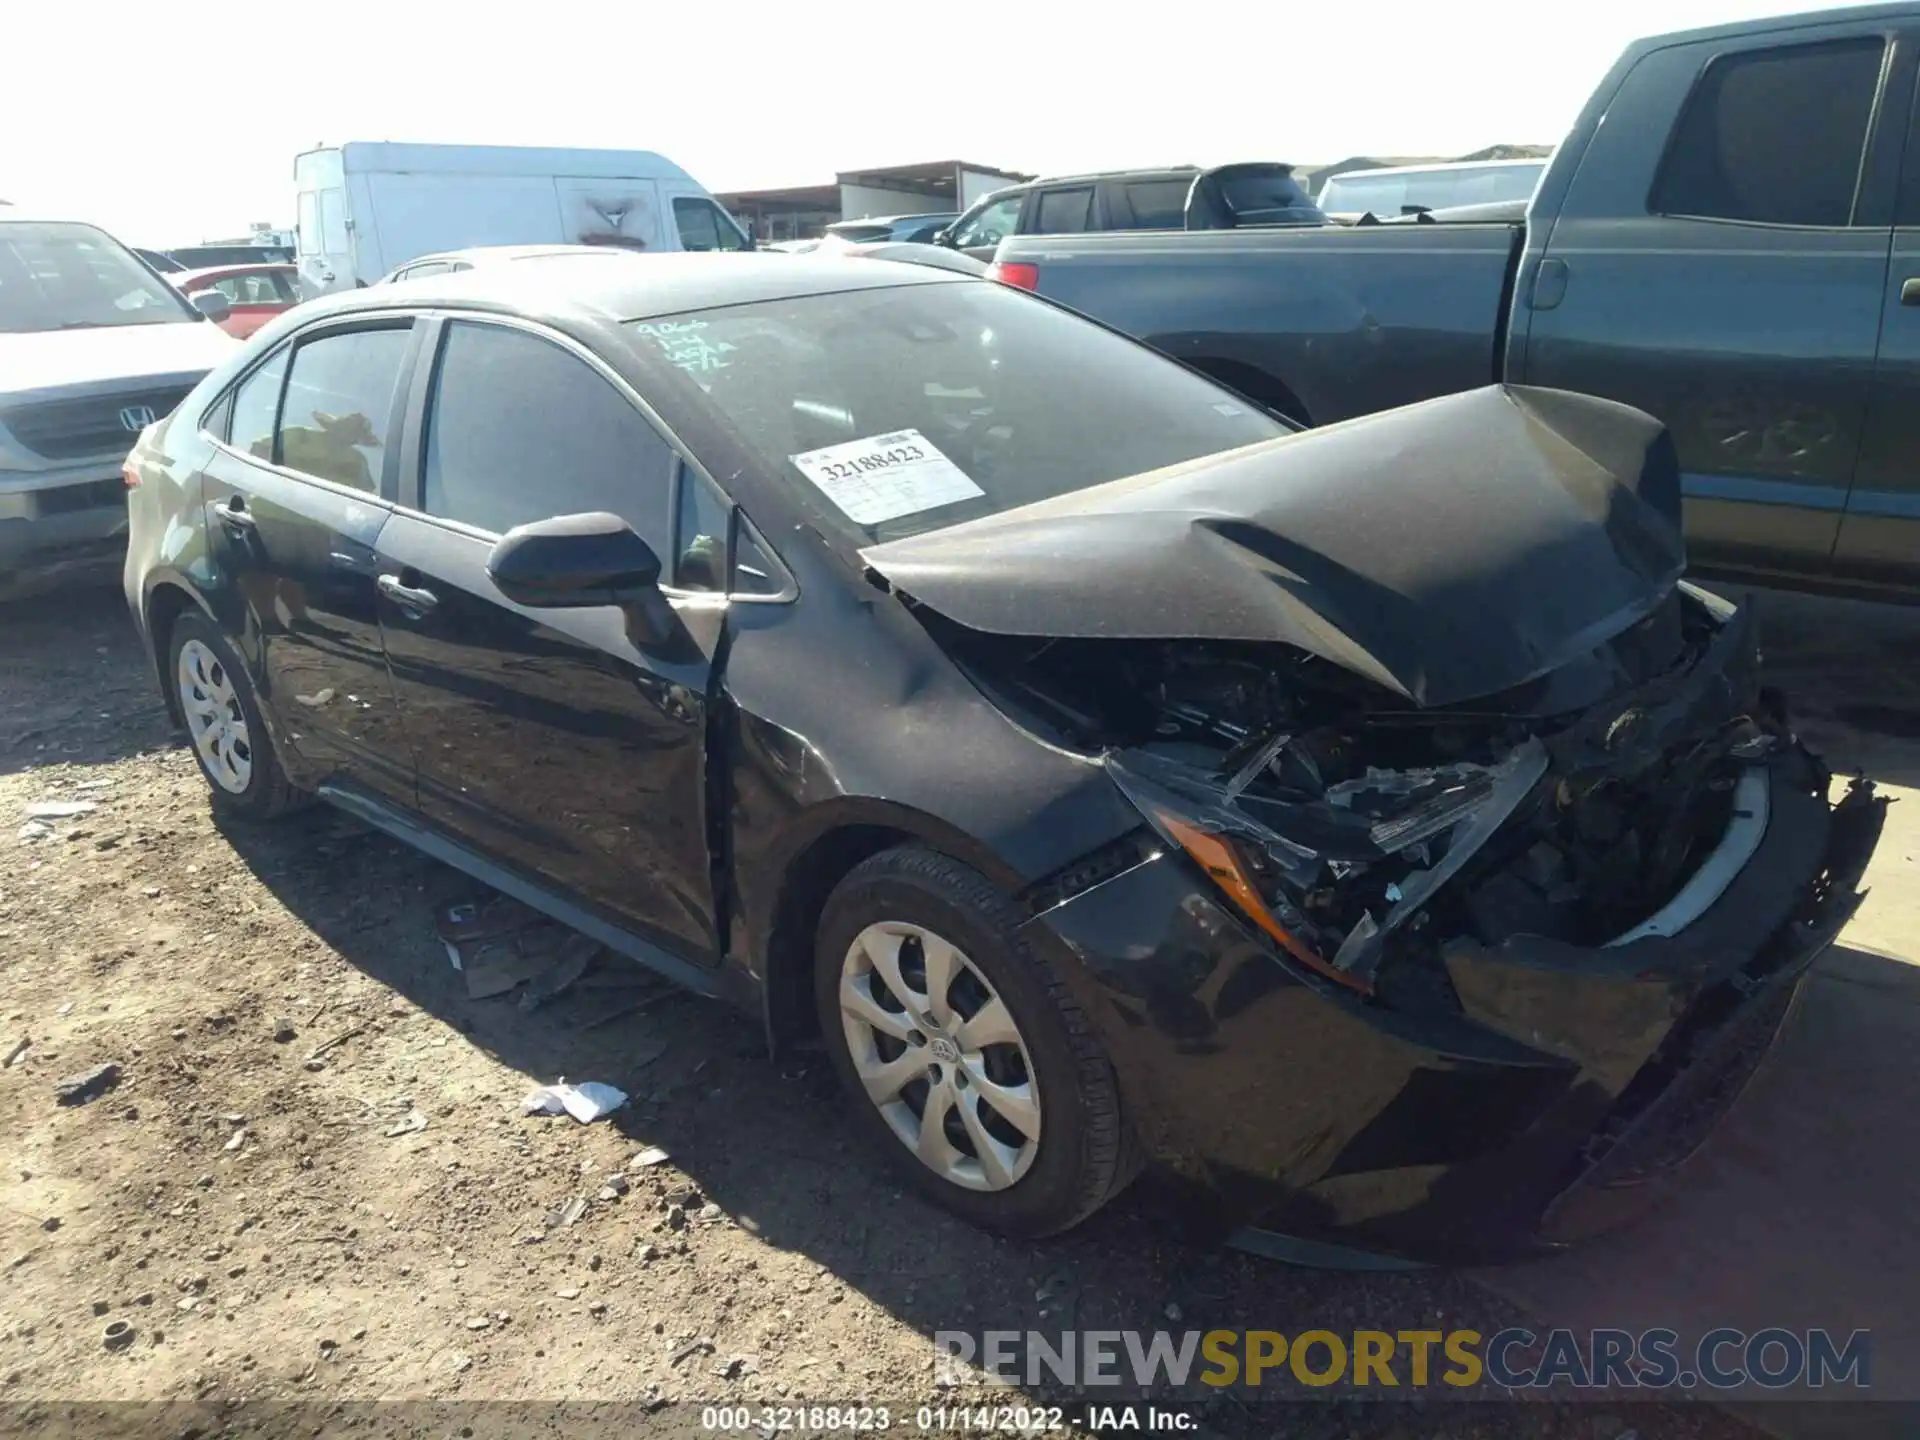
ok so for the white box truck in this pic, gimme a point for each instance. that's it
(367, 207)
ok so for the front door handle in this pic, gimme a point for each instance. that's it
(234, 514)
(410, 598)
(1910, 291)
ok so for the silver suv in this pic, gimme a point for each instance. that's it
(94, 347)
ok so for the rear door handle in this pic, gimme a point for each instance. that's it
(1910, 292)
(408, 597)
(234, 513)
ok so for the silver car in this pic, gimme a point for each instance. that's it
(94, 348)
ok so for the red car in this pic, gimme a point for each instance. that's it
(257, 293)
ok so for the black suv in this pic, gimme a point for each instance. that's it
(1177, 197)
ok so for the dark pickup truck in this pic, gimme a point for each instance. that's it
(1729, 239)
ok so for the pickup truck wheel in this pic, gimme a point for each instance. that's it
(223, 720)
(965, 1059)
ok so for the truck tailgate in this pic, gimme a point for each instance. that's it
(1349, 319)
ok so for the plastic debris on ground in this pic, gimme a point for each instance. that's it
(586, 1102)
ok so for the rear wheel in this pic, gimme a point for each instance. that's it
(223, 720)
(969, 1064)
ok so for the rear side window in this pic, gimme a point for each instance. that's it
(1774, 136)
(338, 414)
(1158, 204)
(521, 430)
(256, 406)
(1064, 212)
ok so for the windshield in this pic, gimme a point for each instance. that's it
(909, 409)
(1388, 194)
(61, 276)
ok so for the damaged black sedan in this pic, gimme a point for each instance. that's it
(1365, 826)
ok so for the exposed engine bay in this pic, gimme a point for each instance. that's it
(1362, 833)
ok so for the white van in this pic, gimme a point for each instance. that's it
(366, 208)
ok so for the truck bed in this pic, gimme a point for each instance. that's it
(1290, 315)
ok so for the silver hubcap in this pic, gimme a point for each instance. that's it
(214, 717)
(940, 1056)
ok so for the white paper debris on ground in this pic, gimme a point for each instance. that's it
(60, 809)
(648, 1158)
(585, 1102)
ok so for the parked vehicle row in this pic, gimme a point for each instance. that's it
(1724, 241)
(900, 658)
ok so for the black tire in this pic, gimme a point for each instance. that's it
(268, 792)
(1083, 1156)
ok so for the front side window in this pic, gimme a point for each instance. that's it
(1774, 136)
(256, 406)
(702, 226)
(339, 408)
(55, 275)
(991, 225)
(899, 410)
(520, 429)
(1064, 212)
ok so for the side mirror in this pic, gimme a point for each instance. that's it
(212, 304)
(573, 561)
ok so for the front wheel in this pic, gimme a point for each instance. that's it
(969, 1064)
(222, 717)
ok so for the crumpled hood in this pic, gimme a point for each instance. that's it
(51, 359)
(1447, 550)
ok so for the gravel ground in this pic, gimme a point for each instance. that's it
(312, 1185)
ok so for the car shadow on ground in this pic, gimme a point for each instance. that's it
(772, 1143)
(91, 697)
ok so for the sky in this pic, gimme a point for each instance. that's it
(175, 124)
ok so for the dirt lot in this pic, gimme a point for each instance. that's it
(313, 1182)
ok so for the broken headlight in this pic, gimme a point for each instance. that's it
(1312, 871)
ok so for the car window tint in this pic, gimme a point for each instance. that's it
(340, 404)
(991, 225)
(700, 536)
(255, 406)
(1774, 136)
(1064, 212)
(520, 430)
(1158, 204)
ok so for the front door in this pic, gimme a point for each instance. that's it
(1718, 261)
(1879, 540)
(545, 739)
(295, 503)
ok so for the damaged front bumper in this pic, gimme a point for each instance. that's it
(1539, 1104)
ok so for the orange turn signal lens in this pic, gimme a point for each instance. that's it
(1216, 857)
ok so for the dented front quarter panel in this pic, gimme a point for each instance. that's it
(844, 712)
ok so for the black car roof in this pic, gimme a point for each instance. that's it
(586, 288)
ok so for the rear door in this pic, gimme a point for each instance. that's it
(1879, 540)
(1719, 261)
(297, 492)
(546, 740)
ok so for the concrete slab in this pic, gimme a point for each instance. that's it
(1800, 1211)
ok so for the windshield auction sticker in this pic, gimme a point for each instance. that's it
(886, 476)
